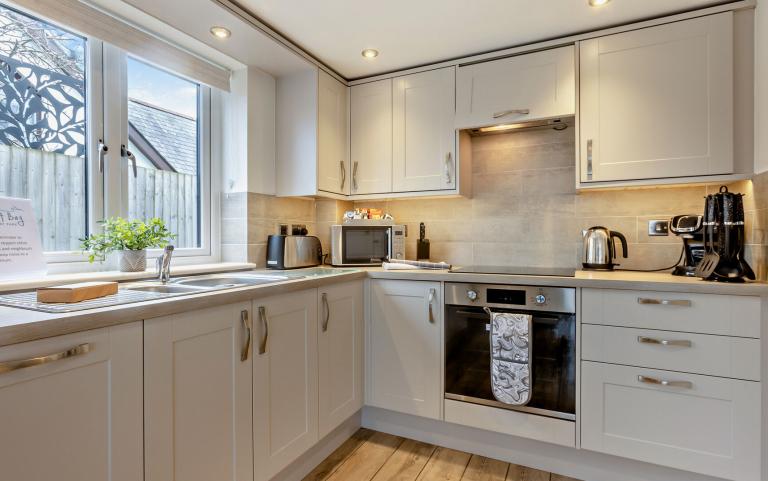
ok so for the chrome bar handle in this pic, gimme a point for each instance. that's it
(8, 366)
(504, 113)
(664, 382)
(244, 318)
(589, 159)
(265, 325)
(664, 302)
(354, 176)
(132, 158)
(326, 311)
(343, 174)
(103, 150)
(448, 163)
(664, 342)
(432, 294)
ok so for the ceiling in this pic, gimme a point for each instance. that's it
(416, 32)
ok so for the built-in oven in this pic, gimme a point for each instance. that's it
(366, 244)
(552, 345)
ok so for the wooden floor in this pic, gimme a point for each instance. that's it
(371, 455)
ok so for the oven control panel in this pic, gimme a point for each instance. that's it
(552, 299)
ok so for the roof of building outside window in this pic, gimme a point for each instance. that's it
(170, 138)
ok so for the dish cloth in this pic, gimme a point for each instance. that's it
(510, 357)
(395, 265)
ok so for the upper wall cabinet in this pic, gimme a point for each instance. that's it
(658, 102)
(312, 135)
(371, 137)
(424, 141)
(534, 86)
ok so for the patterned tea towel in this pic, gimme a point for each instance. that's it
(510, 357)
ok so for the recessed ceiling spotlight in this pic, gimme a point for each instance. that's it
(370, 53)
(597, 3)
(220, 32)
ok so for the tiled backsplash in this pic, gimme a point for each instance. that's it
(524, 211)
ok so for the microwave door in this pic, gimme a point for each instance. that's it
(365, 245)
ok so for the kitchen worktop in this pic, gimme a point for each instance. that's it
(19, 325)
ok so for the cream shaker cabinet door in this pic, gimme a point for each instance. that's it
(424, 145)
(371, 137)
(333, 145)
(197, 382)
(703, 424)
(75, 413)
(403, 347)
(340, 353)
(533, 86)
(658, 102)
(284, 380)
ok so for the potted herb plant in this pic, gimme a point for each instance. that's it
(130, 239)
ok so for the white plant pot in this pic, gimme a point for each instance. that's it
(132, 261)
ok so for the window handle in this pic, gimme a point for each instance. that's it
(124, 152)
(103, 150)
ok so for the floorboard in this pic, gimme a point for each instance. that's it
(375, 456)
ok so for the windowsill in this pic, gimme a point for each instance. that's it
(58, 279)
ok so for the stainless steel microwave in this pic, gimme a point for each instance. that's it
(366, 245)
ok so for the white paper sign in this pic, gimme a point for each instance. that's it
(21, 255)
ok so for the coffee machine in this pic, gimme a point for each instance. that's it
(690, 228)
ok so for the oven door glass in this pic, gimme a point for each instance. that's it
(468, 360)
(365, 244)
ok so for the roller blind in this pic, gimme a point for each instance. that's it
(77, 16)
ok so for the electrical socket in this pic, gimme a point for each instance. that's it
(658, 228)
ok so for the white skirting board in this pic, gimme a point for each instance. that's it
(580, 464)
(309, 460)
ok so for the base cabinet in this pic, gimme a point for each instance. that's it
(703, 424)
(77, 416)
(340, 354)
(403, 357)
(285, 395)
(197, 381)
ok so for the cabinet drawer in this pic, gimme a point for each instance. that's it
(673, 311)
(703, 424)
(735, 357)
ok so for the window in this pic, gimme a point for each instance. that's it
(43, 125)
(62, 96)
(163, 135)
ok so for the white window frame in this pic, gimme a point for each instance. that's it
(107, 99)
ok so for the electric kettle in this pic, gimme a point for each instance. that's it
(600, 248)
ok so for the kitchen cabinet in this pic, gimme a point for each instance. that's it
(197, 383)
(534, 86)
(75, 414)
(312, 134)
(340, 353)
(285, 391)
(424, 139)
(658, 102)
(333, 138)
(701, 424)
(371, 137)
(404, 371)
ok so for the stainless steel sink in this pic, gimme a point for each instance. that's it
(164, 289)
(228, 281)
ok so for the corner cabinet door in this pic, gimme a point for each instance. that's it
(534, 86)
(340, 353)
(77, 416)
(198, 395)
(703, 424)
(333, 135)
(404, 363)
(424, 138)
(284, 380)
(371, 137)
(658, 102)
